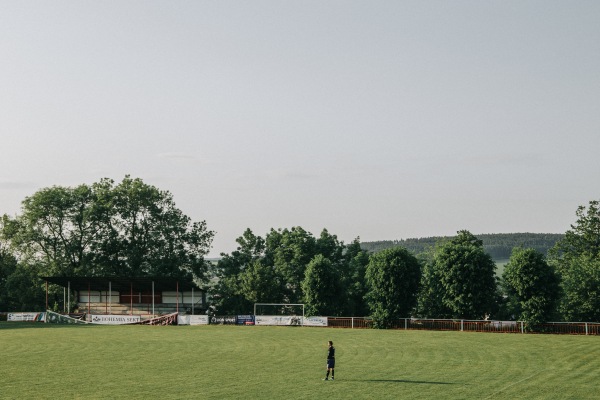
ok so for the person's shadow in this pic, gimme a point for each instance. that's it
(405, 381)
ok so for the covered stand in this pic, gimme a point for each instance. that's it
(131, 295)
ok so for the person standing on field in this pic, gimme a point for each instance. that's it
(330, 361)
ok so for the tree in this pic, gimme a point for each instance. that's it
(584, 236)
(466, 276)
(531, 285)
(392, 278)
(291, 251)
(322, 287)
(355, 265)
(330, 247)
(129, 229)
(57, 228)
(260, 284)
(147, 235)
(430, 303)
(226, 297)
(580, 283)
(577, 261)
(8, 265)
(22, 289)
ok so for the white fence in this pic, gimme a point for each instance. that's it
(570, 328)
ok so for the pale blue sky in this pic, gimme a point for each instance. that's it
(378, 119)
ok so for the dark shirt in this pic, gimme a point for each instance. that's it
(331, 353)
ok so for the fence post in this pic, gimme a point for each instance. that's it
(405, 323)
(462, 321)
(522, 330)
(586, 328)
(352, 322)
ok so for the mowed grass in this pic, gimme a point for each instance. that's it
(217, 362)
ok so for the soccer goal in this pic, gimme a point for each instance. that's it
(279, 314)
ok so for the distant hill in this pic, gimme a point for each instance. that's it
(497, 245)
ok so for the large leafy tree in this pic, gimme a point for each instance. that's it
(354, 268)
(584, 236)
(430, 302)
(577, 260)
(330, 247)
(146, 234)
(580, 283)
(392, 277)
(322, 287)
(57, 229)
(24, 292)
(291, 250)
(463, 274)
(129, 229)
(531, 286)
(259, 283)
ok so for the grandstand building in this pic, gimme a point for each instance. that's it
(130, 296)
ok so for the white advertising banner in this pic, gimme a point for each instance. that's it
(290, 320)
(272, 320)
(114, 319)
(192, 320)
(26, 316)
(315, 321)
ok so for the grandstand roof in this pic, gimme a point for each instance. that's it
(120, 283)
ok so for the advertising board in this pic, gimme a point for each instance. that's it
(26, 316)
(114, 319)
(192, 320)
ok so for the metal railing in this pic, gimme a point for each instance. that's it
(463, 325)
(349, 322)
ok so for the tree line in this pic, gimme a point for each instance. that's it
(497, 245)
(455, 278)
(134, 229)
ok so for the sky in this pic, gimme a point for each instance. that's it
(382, 120)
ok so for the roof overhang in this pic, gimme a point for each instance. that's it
(121, 284)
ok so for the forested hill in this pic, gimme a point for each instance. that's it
(498, 245)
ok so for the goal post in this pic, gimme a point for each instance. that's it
(293, 312)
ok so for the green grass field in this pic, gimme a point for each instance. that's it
(200, 362)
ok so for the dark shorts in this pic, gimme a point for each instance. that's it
(331, 363)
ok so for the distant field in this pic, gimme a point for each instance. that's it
(500, 264)
(227, 362)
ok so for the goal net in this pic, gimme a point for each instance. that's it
(279, 314)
